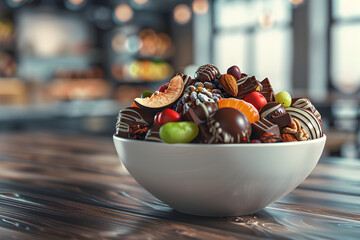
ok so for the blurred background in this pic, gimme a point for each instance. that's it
(69, 66)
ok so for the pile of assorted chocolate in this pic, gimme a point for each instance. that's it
(219, 108)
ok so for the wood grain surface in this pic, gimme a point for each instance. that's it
(74, 187)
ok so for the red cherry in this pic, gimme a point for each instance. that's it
(256, 99)
(163, 87)
(235, 71)
(168, 115)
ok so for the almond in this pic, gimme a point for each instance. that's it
(287, 137)
(228, 83)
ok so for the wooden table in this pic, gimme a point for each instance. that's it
(74, 187)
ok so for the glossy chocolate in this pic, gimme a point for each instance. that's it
(272, 110)
(306, 104)
(267, 90)
(153, 134)
(207, 73)
(131, 115)
(307, 120)
(275, 113)
(228, 125)
(201, 112)
(247, 85)
(234, 71)
(263, 126)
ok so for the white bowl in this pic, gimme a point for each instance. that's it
(219, 179)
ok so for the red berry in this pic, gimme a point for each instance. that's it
(256, 99)
(163, 87)
(235, 71)
(168, 115)
(255, 141)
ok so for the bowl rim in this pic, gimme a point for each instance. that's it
(238, 145)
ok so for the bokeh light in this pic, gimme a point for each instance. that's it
(296, 2)
(155, 44)
(118, 42)
(123, 13)
(182, 14)
(76, 2)
(133, 44)
(146, 70)
(140, 2)
(200, 6)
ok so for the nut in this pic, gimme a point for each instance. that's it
(287, 137)
(292, 128)
(302, 135)
(228, 83)
(270, 138)
(296, 130)
(138, 130)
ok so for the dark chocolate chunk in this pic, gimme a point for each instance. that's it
(275, 113)
(132, 115)
(247, 85)
(267, 90)
(228, 125)
(207, 73)
(263, 126)
(153, 135)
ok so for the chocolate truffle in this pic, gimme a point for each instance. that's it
(137, 118)
(207, 73)
(306, 104)
(307, 120)
(228, 125)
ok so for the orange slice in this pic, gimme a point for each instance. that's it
(246, 108)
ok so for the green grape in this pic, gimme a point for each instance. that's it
(284, 98)
(146, 94)
(179, 132)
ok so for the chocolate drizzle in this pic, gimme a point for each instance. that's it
(131, 115)
(306, 104)
(307, 120)
(247, 85)
(228, 125)
(207, 73)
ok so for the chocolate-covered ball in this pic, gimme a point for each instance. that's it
(228, 125)
(306, 104)
(201, 112)
(130, 116)
(207, 73)
(272, 110)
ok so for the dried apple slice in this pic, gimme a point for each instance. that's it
(164, 99)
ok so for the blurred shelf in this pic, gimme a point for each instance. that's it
(68, 109)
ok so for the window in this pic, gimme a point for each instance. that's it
(345, 47)
(256, 36)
